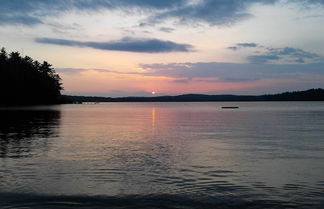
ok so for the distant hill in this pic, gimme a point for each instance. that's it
(309, 95)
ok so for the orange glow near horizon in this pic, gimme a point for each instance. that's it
(105, 83)
(153, 117)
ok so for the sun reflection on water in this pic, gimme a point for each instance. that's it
(153, 116)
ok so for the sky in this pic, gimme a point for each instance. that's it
(170, 47)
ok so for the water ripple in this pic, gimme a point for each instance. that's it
(34, 201)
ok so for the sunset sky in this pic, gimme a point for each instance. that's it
(135, 47)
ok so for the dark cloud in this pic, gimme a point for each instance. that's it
(232, 72)
(243, 45)
(247, 45)
(309, 3)
(286, 54)
(125, 44)
(6, 19)
(33, 11)
(234, 48)
(263, 58)
(212, 12)
(166, 29)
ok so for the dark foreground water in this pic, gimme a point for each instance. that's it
(163, 155)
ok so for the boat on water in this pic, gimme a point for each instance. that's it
(230, 107)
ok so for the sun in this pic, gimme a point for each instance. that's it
(153, 92)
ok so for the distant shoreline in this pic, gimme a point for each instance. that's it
(308, 95)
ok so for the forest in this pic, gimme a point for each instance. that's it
(24, 81)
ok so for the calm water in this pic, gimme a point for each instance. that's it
(163, 155)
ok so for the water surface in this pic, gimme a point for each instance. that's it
(163, 155)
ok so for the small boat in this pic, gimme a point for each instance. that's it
(229, 107)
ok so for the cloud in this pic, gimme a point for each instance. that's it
(166, 29)
(231, 72)
(234, 48)
(247, 45)
(32, 12)
(243, 45)
(263, 58)
(283, 55)
(309, 3)
(125, 44)
(211, 12)
(64, 28)
(286, 54)
(6, 19)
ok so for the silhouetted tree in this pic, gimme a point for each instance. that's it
(24, 81)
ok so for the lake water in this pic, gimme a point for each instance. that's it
(163, 155)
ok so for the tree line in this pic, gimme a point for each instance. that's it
(308, 95)
(24, 81)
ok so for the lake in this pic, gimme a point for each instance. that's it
(163, 155)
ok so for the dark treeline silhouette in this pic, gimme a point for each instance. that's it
(309, 95)
(24, 81)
